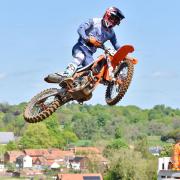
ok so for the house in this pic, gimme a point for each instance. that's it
(93, 154)
(39, 161)
(58, 158)
(79, 177)
(24, 161)
(55, 165)
(165, 169)
(49, 157)
(40, 157)
(35, 152)
(10, 156)
(78, 163)
(1, 167)
(6, 137)
(164, 163)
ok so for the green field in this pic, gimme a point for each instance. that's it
(155, 141)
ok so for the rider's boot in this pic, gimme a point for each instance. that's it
(58, 77)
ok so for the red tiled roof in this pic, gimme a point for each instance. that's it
(76, 176)
(48, 152)
(37, 160)
(50, 156)
(14, 154)
(36, 152)
(58, 154)
(46, 156)
(42, 161)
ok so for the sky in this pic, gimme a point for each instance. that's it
(37, 36)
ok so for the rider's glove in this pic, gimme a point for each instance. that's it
(94, 41)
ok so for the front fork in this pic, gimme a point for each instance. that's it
(111, 72)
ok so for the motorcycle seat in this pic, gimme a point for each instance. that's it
(81, 68)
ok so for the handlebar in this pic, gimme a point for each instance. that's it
(112, 52)
(103, 47)
(107, 50)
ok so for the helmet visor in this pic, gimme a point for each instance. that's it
(115, 20)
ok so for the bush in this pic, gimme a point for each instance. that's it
(129, 165)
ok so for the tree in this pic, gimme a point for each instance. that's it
(4, 107)
(2, 150)
(117, 144)
(176, 123)
(10, 167)
(167, 151)
(127, 164)
(171, 134)
(142, 146)
(85, 127)
(55, 131)
(8, 118)
(114, 145)
(69, 137)
(36, 136)
(102, 118)
(11, 146)
(119, 132)
(156, 128)
(52, 123)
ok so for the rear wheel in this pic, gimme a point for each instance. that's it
(116, 91)
(42, 106)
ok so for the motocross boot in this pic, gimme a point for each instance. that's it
(58, 77)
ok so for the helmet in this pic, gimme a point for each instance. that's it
(112, 17)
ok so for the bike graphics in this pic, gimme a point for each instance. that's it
(113, 69)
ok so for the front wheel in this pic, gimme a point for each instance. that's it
(116, 91)
(42, 106)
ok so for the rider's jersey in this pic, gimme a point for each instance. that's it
(94, 27)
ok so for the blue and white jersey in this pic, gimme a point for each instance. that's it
(94, 27)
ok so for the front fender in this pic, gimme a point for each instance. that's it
(121, 54)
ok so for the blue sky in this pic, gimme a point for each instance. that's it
(36, 38)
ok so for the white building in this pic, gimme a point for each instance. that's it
(164, 169)
(78, 163)
(1, 167)
(55, 165)
(163, 163)
(24, 161)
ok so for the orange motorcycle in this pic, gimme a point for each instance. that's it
(113, 69)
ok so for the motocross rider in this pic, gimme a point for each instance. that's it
(92, 34)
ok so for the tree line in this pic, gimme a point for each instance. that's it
(124, 132)
(86, 122)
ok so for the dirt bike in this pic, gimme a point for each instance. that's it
(113, 69)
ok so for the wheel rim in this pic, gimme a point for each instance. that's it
(42, 105)
(122, 75)
(115, 88)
